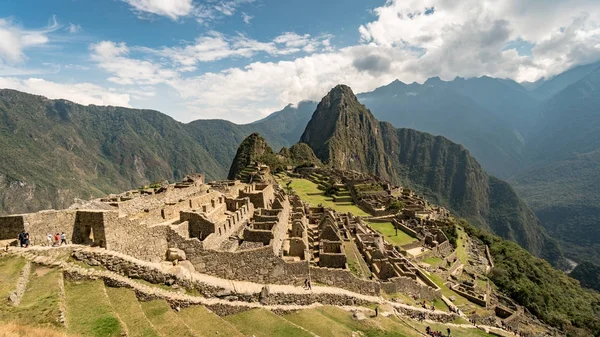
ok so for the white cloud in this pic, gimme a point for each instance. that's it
(82, 93)
(409, 40)
(173, 9)
(246, 18)
(14, 40)
(73, 28)
(112, 57)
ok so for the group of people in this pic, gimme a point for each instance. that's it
(24, 239)
(56, 239)
(434, 333)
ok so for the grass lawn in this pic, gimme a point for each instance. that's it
(263, 323)
(206, 323)
(314, 321)
(165, 320)
(40, 304)
(128, 308)
(89, 312)
(371, 327)
(433, 261)
(388, 231)
(10, 268)
(356, 263)
(309, 192)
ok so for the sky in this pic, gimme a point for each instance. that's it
(243, 59)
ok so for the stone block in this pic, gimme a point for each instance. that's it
(175, 254)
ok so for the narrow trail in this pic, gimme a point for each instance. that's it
(16, 296)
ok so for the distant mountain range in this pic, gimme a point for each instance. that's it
(543, 137)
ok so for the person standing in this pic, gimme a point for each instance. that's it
(49, 239)
(63, 238)
(22, 238)
(26, 237)
(448, 332)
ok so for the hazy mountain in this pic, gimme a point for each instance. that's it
(485, 115)
(543, 89)
(562, 182)
(345, 135)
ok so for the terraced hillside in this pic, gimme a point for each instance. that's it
(50, 294)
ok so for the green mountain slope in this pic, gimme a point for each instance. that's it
(54, 150)
(345, 135)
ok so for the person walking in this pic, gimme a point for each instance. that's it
(26, 239)
(49, 239)
(448, 332)
(63, 238)
(22, 238)
(376, 311)
(56, 239)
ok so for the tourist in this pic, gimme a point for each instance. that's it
(448, 329)
(63, 238)
(309, 285)
(49, 239)
(22, 239)
(428, 330)
(376, 311)
(56, 239)
(306, 283)
(26, 239)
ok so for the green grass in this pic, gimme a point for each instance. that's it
(461, 251)
(388, 231)
(309, 192)
(263, 323)
(165, 320)
(356, 263)
(371, 327)
(39, 305)
(314, 321)
(433, 261)
(206, 323)
(126, 305)
(10, 268)
(89, 312)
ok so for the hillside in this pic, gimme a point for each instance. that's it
(345, 135)
(54, 150)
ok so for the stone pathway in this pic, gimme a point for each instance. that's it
(239, 287)
(16, 296)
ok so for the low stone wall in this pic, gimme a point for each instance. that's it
(342, 278)
(409, 286)
(426, 279)
(406, 230)
(455, 266)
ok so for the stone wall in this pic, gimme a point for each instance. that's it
(343, 278)
(40, 224)
(11, 226)
(89, 228)
(135, 239)
(407, 285)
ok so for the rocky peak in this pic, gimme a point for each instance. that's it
(253, 148)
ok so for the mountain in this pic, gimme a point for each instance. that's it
(344, 134)
(488, 116)
(588, 274)
(253, 149)
(561, 183)
(54, 150)
(543, 89)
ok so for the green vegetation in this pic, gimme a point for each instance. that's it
(164, 320)
(202, 321)
(588, 274)
(263, 323)
(548, 293)
(126, 305)
(9, 274)
(89, 312)
(356, 263)
(310, 192)
(395, 206)
(432, 260)
(389, 232)
(39, 305)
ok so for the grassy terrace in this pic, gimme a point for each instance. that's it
(461, 250)
(356, 263)
(263, 323)
(129, 310)
(388, 231)
(309, 192)
(89, 312)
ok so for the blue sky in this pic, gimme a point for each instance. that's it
(242, 59)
